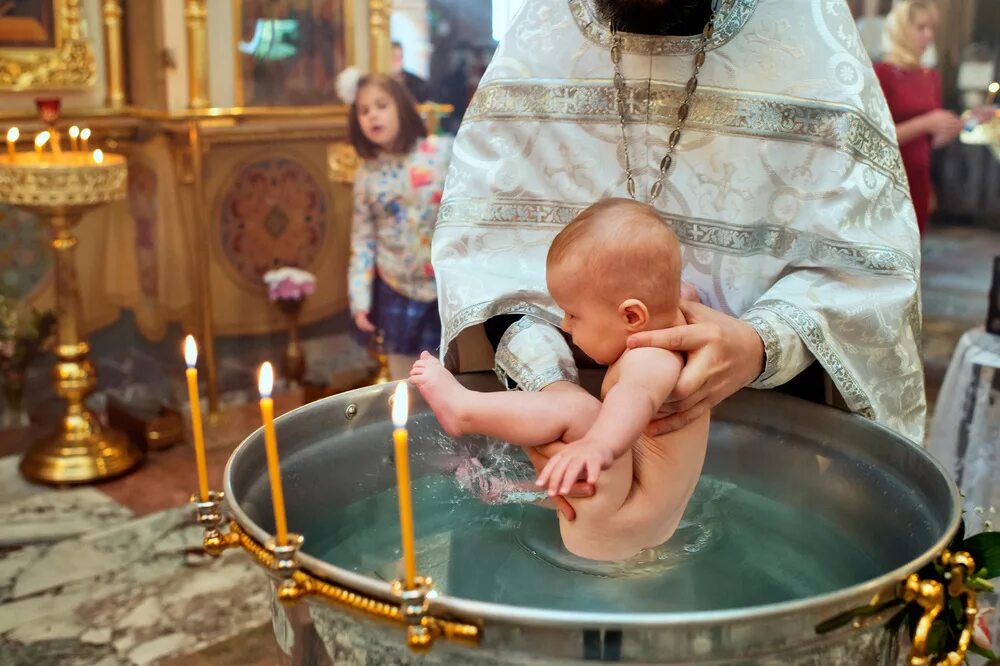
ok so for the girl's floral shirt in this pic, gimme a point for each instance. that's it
(396, 200)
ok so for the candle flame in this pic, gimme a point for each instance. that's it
(99, 156)
(74, 132)
(190, 351)
(42, 139)
(12, 134)
(994, 87)
(400, 406)
(265, 381)
(85, 133)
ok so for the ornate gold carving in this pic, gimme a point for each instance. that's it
(111, 13)
(69, 65)
(381, 44)
(195, 17)
(302, 584)
(53, 186)
(933, 598)
(342, 162)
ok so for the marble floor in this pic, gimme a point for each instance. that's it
(113, 574)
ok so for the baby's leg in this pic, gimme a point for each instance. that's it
(599, 533)
(523, 419)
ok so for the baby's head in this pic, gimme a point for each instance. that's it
(614, 270)
(384, 118)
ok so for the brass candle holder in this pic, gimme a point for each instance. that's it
(60, 188)
(412, 596)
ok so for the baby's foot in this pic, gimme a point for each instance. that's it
(442, 392)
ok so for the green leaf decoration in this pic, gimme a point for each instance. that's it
(989, 654)
(985, 549)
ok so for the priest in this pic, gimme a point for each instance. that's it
(757, 128)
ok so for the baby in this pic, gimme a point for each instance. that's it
(614, 271)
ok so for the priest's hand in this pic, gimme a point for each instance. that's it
(363, 323)
(724, 354)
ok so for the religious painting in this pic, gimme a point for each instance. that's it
(290, 51)
(42, 46)
(27, 23)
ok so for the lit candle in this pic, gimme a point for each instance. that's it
(400, 410)
(98, 156)
(264, 384)
(74, 138)
(85, 137)
(40, 141)
(12, 135)
(993, 90)
(191, 358)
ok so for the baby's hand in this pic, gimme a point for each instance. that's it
(565, 467)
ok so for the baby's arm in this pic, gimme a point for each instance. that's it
(645, 381)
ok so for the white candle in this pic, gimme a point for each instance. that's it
(12, 135)
(40, 141)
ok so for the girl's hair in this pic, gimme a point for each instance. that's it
(411, 126)
(896, 41)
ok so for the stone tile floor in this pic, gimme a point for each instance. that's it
(110, 575)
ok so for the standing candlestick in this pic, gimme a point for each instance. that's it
(400, 410)
(40, 141)
(191, 358)
(74, 138)
(264, 384)
(85, 138)
(12, 135)
(993, 89)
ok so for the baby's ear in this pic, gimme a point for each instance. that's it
(634, 314)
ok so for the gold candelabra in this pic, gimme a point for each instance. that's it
(60, 187)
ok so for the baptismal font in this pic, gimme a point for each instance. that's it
(59, 185)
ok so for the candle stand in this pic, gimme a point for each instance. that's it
(60, 188)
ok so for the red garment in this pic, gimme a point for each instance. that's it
(912, 92)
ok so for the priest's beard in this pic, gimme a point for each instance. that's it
(656, 17)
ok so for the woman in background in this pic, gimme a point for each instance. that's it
(914, 96)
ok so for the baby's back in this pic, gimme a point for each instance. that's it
(640, 500)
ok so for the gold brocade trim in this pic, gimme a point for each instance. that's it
(733, 15)
(760, 238)
(745, 114)
(815, 339)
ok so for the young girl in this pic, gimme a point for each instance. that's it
(397, 192)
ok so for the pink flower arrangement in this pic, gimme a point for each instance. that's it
(289, 284)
